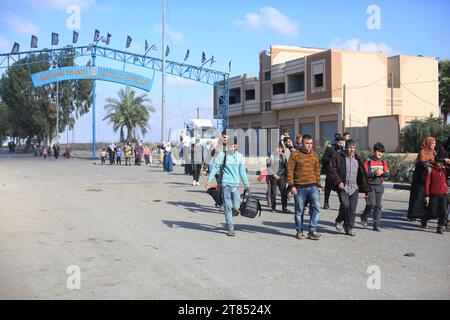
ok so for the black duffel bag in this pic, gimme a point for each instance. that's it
(250, 206)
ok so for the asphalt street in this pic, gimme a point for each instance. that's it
(138, 233)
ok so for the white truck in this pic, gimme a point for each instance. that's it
(199, 128)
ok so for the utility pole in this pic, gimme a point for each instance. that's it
(343, 109)
(163, 94)
(392, 93)
(57, 112)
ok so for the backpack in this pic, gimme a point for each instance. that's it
(250, 206)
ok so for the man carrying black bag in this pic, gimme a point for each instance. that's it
(232, 169)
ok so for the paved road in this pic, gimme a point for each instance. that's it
(138, 233)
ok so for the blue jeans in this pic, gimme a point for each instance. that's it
(307, 195)
(231, 200)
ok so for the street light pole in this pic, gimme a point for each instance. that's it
(57, 112)
(163, 82)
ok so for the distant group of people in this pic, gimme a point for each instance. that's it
(47, 151)
(115, 154)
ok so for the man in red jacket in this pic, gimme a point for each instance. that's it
(436, 194)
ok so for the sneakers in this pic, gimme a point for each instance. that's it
(375, 228)
(194, 183)
(326, 206)
(364, 223)
(300, 236)
(314, 235)
(286, 210)
(231, 232)
(440, 230)
(339, 226)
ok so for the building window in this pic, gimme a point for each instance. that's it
(318, 76)
(318, 80)
(267, 106)
(267, 76)
(308, 128)
(235, 96)
(296, 82)
(249, 95)
(278, 88)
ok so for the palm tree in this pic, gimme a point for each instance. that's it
(129, 111)
(444, 88)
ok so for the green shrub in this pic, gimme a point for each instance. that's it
(400, 168)
(416, 131)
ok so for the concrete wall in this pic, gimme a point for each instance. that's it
(419, 75)
(364, 75)
(385, 129)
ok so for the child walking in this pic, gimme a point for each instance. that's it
(103, 156)
(436, 194)
(377, 171)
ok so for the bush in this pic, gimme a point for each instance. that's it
(400, 167)
(416, 131)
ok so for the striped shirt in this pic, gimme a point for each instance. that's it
(303, 169)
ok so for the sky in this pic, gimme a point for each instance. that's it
(235, 30)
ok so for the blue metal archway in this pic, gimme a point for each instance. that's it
(208, 76)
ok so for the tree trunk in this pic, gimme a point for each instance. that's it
(131, 134)
(122, 136)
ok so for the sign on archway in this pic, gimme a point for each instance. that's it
(92, 73)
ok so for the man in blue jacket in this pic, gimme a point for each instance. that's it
(232, 165)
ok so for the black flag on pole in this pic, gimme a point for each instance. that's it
(167, 51)
(15, 48)
(203, 57)
(186, 56)
(129, 41)
(34, 41)
(229, 66)
(55, 39)
(108, 39)
(146, 45)
(96, 35)
(75, 37)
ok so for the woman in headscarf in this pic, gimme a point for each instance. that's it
(112, 153)
(167, 162)
(417, 208)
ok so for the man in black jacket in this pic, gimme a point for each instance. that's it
(277, 176)
(348, 176)
(337, 146)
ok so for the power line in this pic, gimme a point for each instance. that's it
(367, 85)
(427, 102)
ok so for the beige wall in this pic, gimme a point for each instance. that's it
(426, 98)
(364, 75)
(281, 54)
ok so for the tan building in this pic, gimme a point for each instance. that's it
(320, 92)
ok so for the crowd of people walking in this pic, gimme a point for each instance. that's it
(114, 154)
(295, 170)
